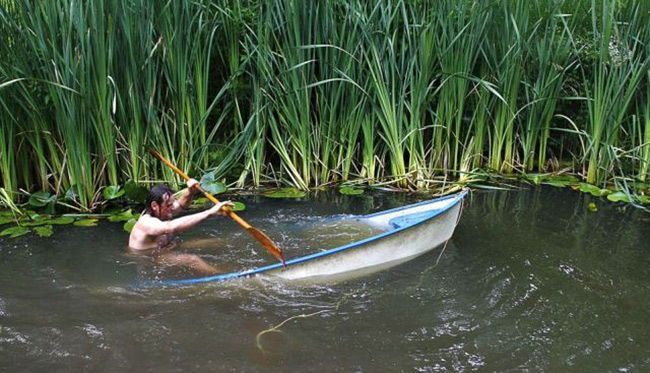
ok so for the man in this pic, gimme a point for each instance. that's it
(154, 232)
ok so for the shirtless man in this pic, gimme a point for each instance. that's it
(154, 232)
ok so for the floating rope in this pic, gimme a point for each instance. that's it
(276, 328)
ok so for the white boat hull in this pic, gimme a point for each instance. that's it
(410, 232)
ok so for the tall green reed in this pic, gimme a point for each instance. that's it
(460, 32)
(618, 70)
(505, 53)
(551, 59)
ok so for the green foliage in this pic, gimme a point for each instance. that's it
(112, 192)
(44, 231)
(135, 192)
(14, 232)
(86, 223)
(238, 206)
(286, 193)
(128, 226)
(212, 186)
(412, 94)
(350, 191)
(121, 216)
(41, 199)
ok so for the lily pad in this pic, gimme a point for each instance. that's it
(40, 199)
(618, 197)
(62, 220)
(112, 192)
(86, 223)
(128, 226)
(37, 220)
(198, 202)
(212, 186)
(135, 192)
(122, 216)
(350, 191)
(562, 180)
(593, 190)
(44, 231)
(238, 206)
(14, 232)
(592, 207)
(286, 193)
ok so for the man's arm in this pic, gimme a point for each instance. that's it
(185, 200)
(156, 227)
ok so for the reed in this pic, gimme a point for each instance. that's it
(403, 93)
(505, 53)
(617, 73)
(551, 57)
(460, 34)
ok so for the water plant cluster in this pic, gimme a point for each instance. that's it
(409, 94)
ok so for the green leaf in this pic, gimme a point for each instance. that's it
(122, 216)
(44, 231)
(112, 192)
(535, 178)
(14, 232)
(593, 190)
(135, 192)
(40, 199)
(128, 226)
(6, 220)
(618, 197)
(286, 193)
(49, 209)
(62, 220)
(86, 223)
(238, 206)
(37, 220)
(562, 180)
(72, 193)
(198, 202)
(211, 185)
(592, 207)
(350, 191)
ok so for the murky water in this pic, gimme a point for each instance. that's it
(531, 280)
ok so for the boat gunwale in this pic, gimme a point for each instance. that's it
(255, 271)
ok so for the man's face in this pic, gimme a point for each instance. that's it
(164, 210)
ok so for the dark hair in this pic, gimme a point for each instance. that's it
(156, 194)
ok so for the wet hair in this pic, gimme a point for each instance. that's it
(157, 194)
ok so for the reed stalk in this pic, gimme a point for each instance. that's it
(618, 70)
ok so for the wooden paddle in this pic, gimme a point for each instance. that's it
(256, 233)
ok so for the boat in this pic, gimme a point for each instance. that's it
(408, 232)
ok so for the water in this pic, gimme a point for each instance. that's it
(531, 280)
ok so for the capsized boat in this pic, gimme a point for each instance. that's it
(409, 231)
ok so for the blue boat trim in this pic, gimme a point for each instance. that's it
(229, 276)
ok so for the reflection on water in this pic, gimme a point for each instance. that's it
(531, 280)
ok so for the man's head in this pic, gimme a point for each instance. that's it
(160, 203)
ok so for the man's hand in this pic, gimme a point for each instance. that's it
(193, 185)
(218, 208)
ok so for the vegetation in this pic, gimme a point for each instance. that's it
(410, 94)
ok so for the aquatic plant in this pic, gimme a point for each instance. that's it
(411, 95)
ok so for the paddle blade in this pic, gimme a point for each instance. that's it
(266, 242)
